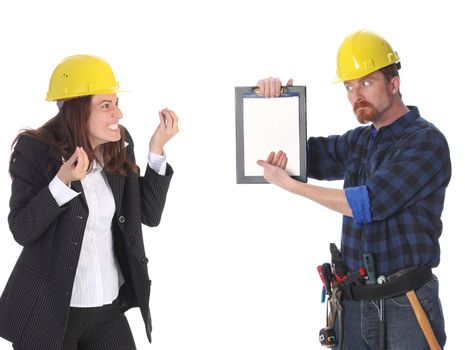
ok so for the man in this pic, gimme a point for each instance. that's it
(395, 173)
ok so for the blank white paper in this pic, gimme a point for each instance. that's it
(271, 124)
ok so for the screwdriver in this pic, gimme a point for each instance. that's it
(370, 266)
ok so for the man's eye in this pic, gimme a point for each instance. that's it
(106, 106)
(366, 83)
(348, 87)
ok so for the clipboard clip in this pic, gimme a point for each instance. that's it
(256, 90)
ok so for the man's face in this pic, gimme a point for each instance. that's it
(370, 96)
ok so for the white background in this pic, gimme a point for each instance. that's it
(234, 266)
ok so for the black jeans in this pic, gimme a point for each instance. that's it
(97, 328)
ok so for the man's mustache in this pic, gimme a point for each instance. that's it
(362, 104)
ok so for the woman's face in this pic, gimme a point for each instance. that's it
(103, 120)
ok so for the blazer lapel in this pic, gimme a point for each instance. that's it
(77, 186)
(116, 183)
(55, 160)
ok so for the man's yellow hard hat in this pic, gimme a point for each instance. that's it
(362, 53)
(81, 75)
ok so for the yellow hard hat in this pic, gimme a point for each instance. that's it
(81, 75)
(362, 53)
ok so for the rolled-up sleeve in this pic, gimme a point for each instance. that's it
(359, 202)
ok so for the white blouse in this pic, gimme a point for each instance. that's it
(98, 274)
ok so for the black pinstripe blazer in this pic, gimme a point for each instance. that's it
(34, 305)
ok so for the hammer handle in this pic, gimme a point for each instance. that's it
(423, 321)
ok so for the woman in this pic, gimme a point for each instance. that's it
(77, 205)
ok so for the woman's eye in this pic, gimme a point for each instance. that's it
(366, 83)
(106, 106)
(348, 87)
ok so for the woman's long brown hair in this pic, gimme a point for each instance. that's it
(68, 130)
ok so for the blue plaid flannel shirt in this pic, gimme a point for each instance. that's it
(395, 181)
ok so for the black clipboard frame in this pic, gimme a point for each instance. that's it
(242, 92)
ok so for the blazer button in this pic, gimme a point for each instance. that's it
(145, 260)
(122, 219)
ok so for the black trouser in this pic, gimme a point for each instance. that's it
(97, 328)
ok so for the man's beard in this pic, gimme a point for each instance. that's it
(365, 111)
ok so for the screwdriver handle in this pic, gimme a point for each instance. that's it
(370, 266)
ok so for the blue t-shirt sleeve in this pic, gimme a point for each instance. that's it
(359, 202)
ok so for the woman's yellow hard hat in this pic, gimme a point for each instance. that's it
(362, 53)
(81, 75)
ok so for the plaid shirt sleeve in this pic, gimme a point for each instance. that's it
(327, 156)
(413, 173)
(327, 160)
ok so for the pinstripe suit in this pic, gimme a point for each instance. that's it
(34, 305)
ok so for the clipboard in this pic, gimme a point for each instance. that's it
(264, 125)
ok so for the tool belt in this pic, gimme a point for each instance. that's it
(397, 284)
